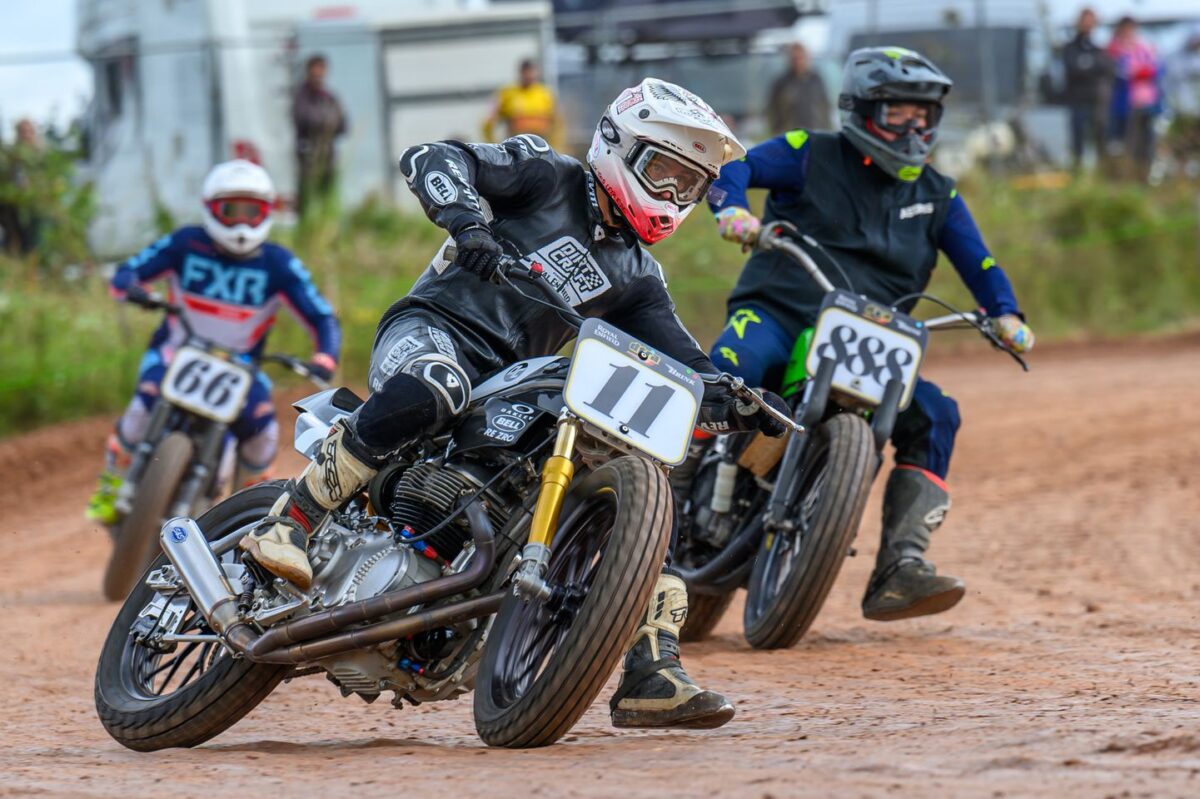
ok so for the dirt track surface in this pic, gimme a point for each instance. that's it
(1071, 669)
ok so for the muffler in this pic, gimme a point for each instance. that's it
(197, 566)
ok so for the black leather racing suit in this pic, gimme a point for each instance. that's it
(541, 204)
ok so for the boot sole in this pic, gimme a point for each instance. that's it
(294, 575)
(682, 720)
(926, 606)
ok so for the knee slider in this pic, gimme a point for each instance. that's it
(431, 391)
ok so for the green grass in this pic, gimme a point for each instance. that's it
(1086, 259)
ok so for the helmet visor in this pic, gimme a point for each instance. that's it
(669, 176)
(231, 211)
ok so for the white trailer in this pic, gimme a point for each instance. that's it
(182, 85)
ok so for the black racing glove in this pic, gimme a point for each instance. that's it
(136, 295)
(478, 252)
(721, 412)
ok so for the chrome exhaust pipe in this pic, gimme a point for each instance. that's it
(197, 566)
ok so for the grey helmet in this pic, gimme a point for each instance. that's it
(873, 77)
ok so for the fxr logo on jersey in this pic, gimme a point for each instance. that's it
(571, 270)
(235, 284)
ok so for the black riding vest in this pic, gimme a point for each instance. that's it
(882, 231)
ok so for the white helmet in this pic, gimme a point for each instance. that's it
(656, 151)
(237, 206)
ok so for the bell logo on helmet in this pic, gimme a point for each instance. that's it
(699, 147)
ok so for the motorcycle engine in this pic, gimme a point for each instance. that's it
(424, 494)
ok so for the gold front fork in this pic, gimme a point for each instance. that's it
(556, 479)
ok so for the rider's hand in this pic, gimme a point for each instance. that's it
(137, 295)
(766, 424)
(478, 252)
(1015, 334)
(721, 412)
(322, 366)
(738, 225)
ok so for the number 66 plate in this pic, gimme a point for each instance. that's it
(206, 385)
(633, 392)
(870, 344)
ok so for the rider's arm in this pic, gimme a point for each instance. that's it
(308, 306)
(961, 241)
(779, 163)
(647, 313)
(450, 177)
(153, 262)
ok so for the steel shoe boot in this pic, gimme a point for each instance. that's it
(280, 544)
(655, 691)
(905, 585)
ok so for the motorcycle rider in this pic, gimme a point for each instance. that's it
(656, 150)
(230, 283)
(868, 197)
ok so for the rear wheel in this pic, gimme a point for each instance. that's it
(135, 544)
(541, 670)
(796, 569)
(154, 697)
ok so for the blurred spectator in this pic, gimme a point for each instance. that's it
(528, 106)
(319, 121)
(1137, 98)
(19, 217)
(1183, 97)
(798, 98)
(1089, 74)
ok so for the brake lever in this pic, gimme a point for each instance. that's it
(737, 386)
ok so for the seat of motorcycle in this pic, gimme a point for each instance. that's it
(345, 400)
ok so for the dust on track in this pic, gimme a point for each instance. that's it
(1071, 669)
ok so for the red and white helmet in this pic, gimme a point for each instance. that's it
(656, 151)
(237, 206)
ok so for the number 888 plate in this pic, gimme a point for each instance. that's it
(870, 344)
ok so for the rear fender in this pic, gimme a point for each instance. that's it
(318, 413)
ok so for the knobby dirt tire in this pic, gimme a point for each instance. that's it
(850, 470)
(704, 611)
(136, 542)
(220, 696)
(614, 607)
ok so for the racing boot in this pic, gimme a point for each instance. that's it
(905, 585)
(280, 544)
(102, 506)
(655, 691)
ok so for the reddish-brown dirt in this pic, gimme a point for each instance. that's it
(1070, 670)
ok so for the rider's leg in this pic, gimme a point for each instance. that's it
(257, 434)
(655, 691)
(128, 432)
(905, 584)
(418, 389)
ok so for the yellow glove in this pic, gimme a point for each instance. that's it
(738, 225)
(1013, 332)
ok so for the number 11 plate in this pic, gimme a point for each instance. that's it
(633, 392)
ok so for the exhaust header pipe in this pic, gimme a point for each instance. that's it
(197, 566)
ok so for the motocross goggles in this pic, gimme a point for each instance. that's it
(667, 176)
(899, 116)
(230, 211)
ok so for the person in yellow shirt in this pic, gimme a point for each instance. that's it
(527, 106)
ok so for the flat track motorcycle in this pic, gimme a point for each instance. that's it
(176, 470)
(779, 518)
(514, 554)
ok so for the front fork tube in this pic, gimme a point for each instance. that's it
(201, 471)
(529, 581)
(808, 414)
(159, 417)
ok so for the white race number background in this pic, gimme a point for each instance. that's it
(631, 401)
(867, 355)
(206, 385)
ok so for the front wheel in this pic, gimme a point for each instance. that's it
(153, 697)
(136, 541)
(796, 569)
(541, 670)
